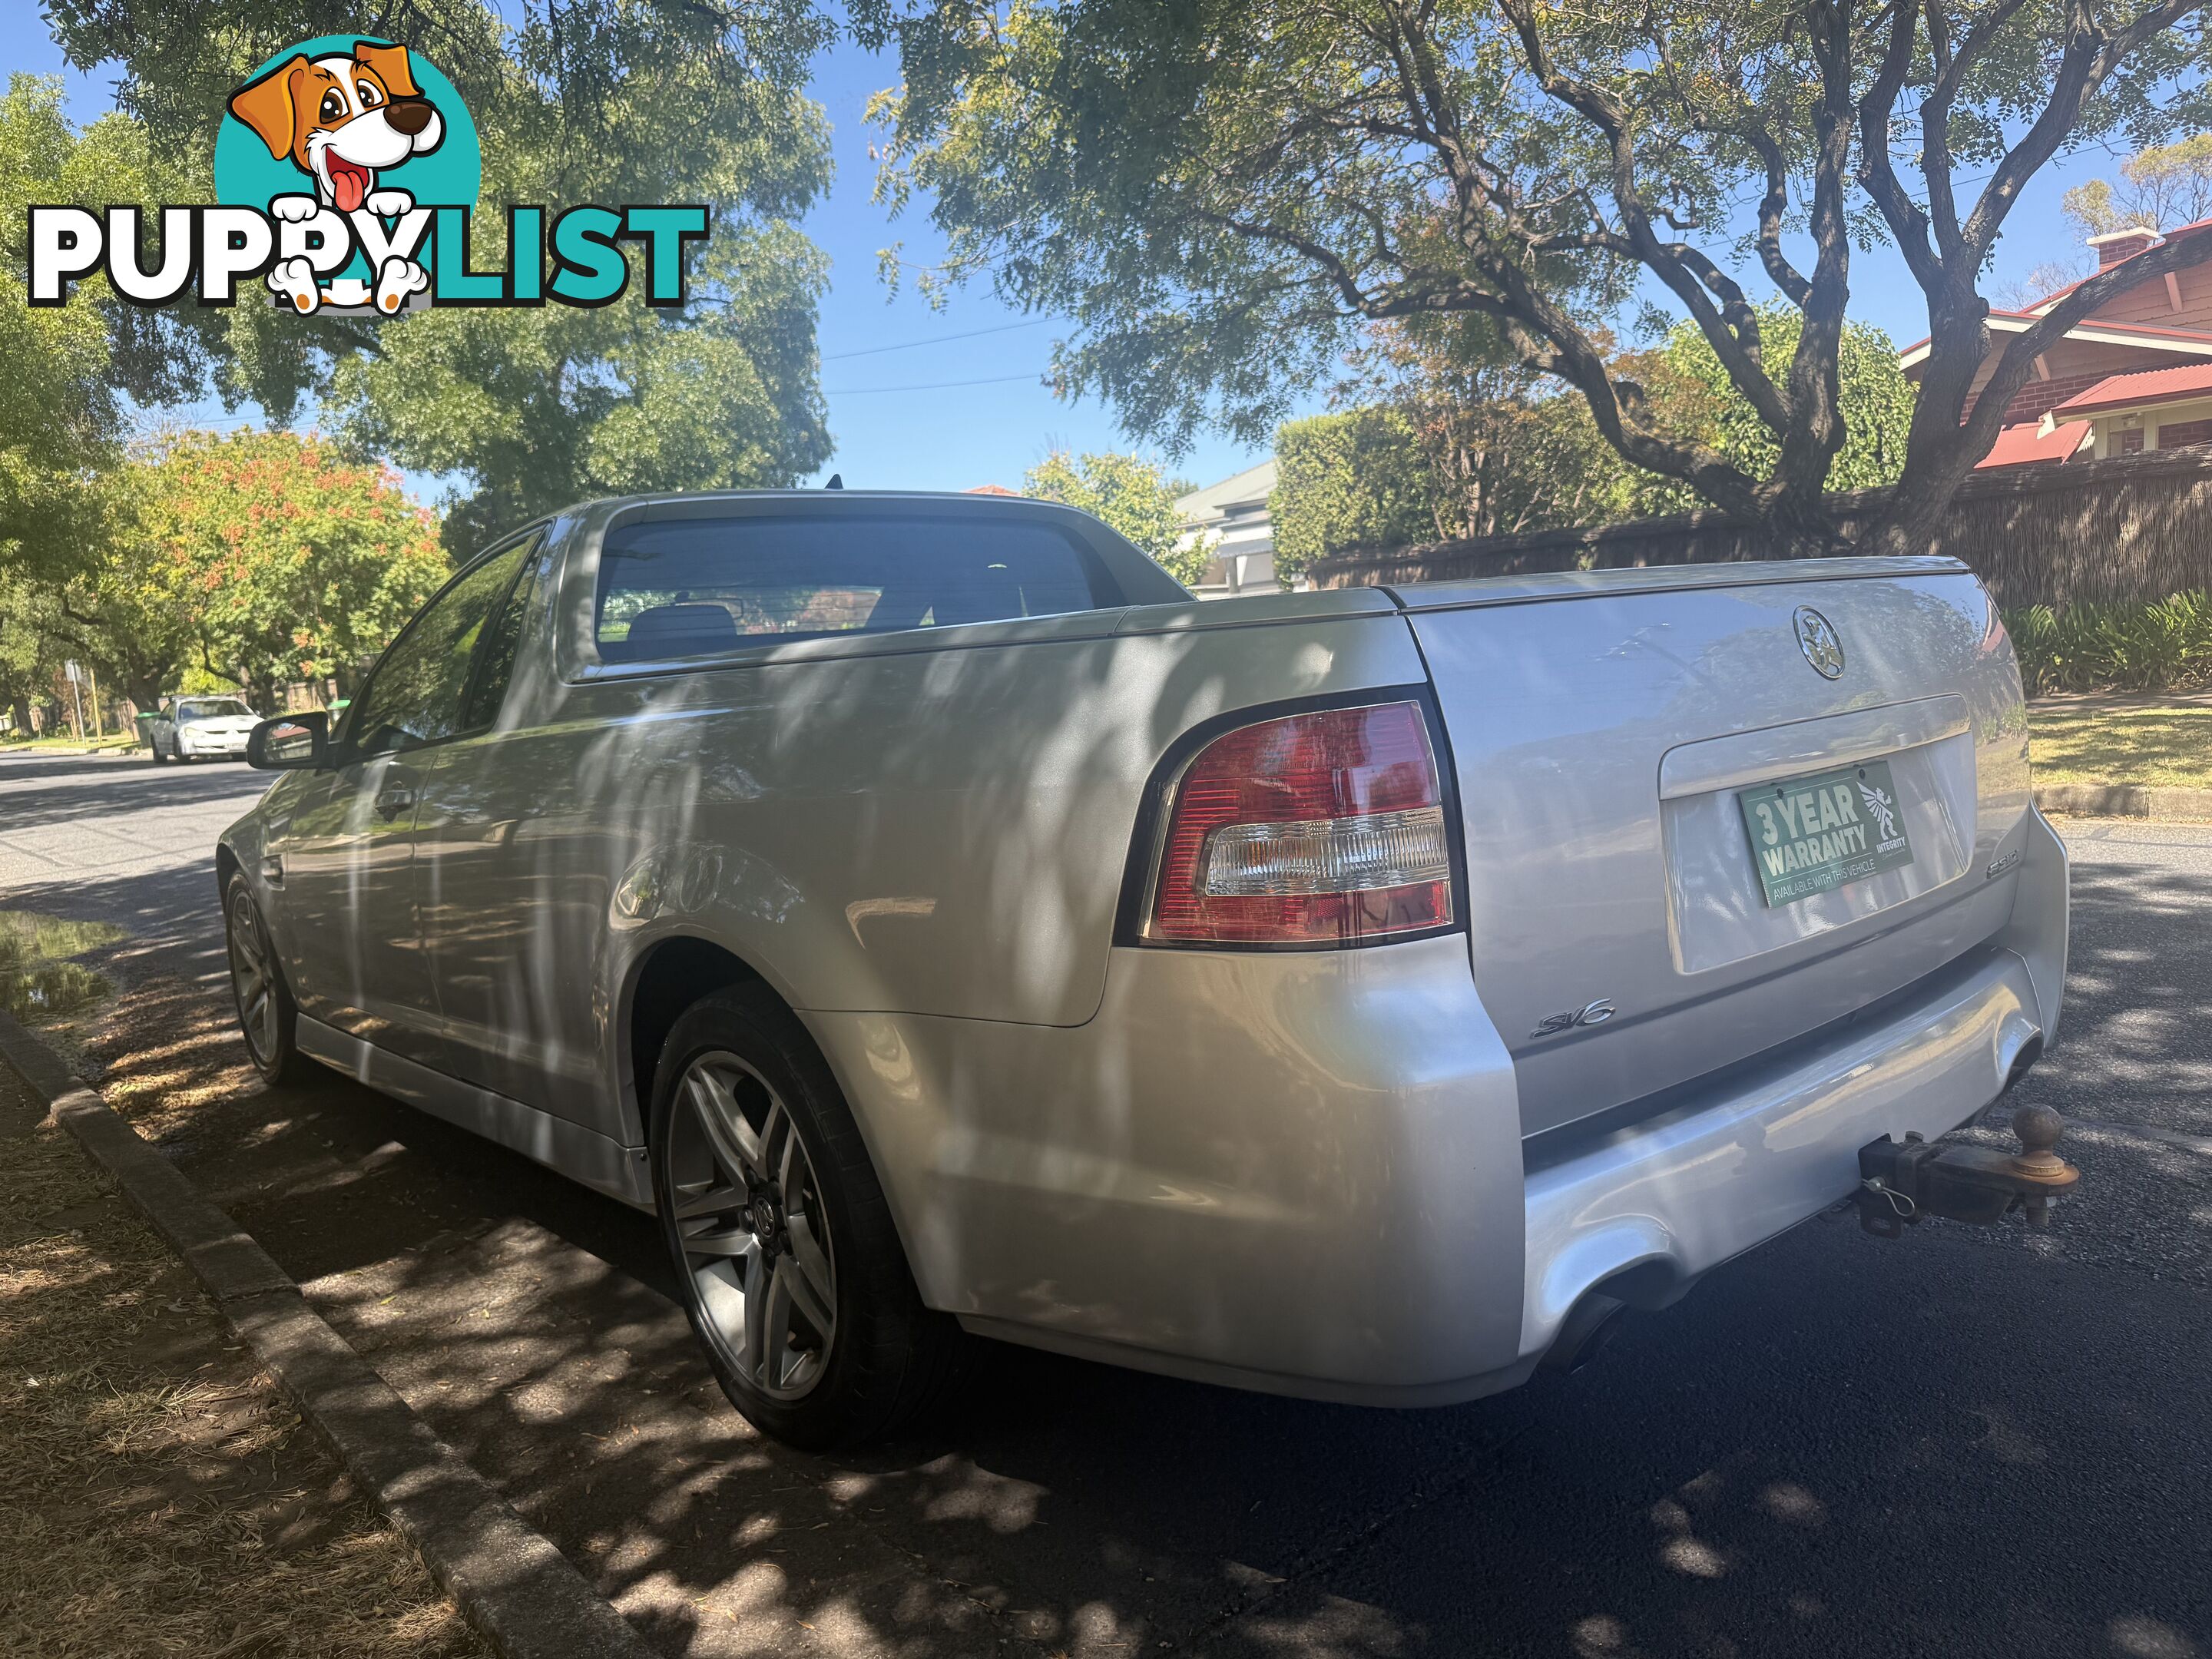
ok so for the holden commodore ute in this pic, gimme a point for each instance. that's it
(946, 928)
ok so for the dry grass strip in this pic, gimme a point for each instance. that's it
(156, 1496)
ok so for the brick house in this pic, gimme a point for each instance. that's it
(2134, 375)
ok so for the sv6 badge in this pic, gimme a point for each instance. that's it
(1595, 1013)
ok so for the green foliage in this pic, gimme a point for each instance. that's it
(610, 101)
(1469, 447)
(2161, 645)
(60, 417)
(1875, 398)
(1349, 480)
(2163, 188)
(1125, 492)
(1222, 195)
(542, 407)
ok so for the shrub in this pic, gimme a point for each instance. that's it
(2160, 645)
(1349, 480)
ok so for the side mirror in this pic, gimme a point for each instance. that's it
(290, 743)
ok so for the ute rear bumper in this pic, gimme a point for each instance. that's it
(1303, 1172)
(1673, 1198)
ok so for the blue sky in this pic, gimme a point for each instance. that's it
(949, 398)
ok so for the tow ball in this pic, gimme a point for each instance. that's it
(1901, 1183)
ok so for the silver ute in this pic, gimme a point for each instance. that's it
(947, 926)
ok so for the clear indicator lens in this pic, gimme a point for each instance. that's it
(1327, 856)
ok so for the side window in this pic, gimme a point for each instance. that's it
(503, 637)
(417, 693)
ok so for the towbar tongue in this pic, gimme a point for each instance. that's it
(1898, 1183)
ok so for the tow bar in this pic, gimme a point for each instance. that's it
(1901, 1183)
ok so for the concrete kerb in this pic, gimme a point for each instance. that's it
(508, 1580)
(2123, 800)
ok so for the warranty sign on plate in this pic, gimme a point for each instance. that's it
(1811, 835)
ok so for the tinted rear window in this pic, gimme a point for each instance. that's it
(691, 587)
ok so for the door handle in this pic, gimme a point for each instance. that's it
(392, 802)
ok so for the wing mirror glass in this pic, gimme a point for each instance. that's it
(290, 743)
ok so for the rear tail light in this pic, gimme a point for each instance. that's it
(1321, 829)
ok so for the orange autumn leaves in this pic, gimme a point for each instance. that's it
(287, 560)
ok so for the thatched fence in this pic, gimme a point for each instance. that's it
(2135, 527)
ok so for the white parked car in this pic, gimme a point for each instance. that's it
(943, 924)
(202, 728)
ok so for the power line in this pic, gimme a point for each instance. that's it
(933, 385)
(936, 339)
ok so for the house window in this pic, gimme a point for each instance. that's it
(2127, 442)
(2180, 434)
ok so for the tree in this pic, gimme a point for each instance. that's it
(1505, 451)
(1357, 478)
(1461, 443)
(1221, 195)
(2041, 281)
(282, 560)
(1127, 492)
(1874, 398)
(2159, 188)
(607, 101)
(60, 417)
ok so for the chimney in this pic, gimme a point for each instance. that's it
(2115, 245)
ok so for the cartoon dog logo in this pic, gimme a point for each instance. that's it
(340, 119)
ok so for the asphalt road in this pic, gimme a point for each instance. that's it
(1966, 1443)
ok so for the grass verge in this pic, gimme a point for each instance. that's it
(2159, 744)
(69, 745)
(156, 1496)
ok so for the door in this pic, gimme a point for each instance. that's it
(506, 981)
(346, 859)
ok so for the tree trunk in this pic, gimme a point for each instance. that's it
(144, 688)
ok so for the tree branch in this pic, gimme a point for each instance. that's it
(1731, 327)
(1907, 223)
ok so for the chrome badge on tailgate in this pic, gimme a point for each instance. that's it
(1811, 835)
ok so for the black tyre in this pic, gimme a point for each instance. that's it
(266, 1015)
(159, 759)
(792, 1272)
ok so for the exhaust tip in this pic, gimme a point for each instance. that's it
(1587, 1329)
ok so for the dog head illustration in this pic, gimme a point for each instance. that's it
(340, 118)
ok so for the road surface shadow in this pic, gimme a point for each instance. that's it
(1834, 1445)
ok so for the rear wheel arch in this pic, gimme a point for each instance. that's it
(666, 981)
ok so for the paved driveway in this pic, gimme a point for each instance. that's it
(1962, 1444)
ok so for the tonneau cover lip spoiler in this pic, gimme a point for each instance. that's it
(1537, 587)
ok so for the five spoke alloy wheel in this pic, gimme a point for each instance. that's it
(753, 1228)
(793, 1274)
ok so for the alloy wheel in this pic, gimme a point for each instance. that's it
(253, 978)
(750, 1218)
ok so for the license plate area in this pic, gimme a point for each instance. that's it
(1718, 907)
(1819, 831)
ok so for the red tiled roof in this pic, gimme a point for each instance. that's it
(991, 489)
(2016, 446)
(2150, 386)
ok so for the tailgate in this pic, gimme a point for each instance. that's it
(1686, 844)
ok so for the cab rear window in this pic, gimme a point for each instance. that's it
(695, 587)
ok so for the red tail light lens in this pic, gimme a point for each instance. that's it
(1321, 829)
